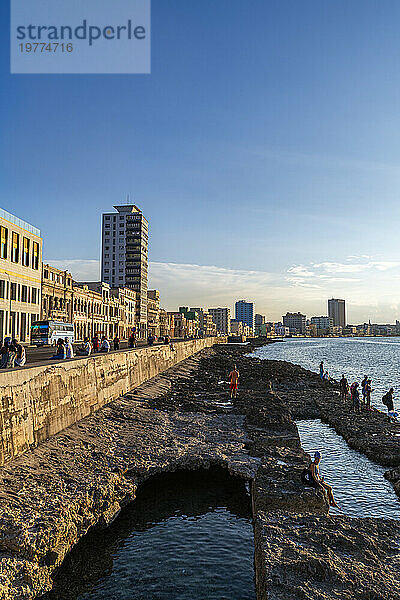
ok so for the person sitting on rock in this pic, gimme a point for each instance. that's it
(314, 469)
(234, 380)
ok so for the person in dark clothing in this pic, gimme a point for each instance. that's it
(312, 477)
(116, 343)
(363, 384)
(388, 400)
(132, 341)
(96, 343)
(4, 354)
(321, 369)
(355, 396)
(344, 388)
(368, 390)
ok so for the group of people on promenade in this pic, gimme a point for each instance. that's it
(12, 354)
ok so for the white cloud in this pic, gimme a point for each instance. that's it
(82, 270)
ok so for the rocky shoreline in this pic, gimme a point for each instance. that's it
(182, 419)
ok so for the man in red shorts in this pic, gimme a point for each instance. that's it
(234, 379)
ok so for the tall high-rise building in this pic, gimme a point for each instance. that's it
(124, 255)
(337, 312)
(222, 319)
(244, 312)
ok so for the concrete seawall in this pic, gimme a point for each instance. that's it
(40, 401)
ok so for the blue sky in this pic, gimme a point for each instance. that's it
(263, 148)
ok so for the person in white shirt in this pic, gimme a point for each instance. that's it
(69, 349)
(105, 344)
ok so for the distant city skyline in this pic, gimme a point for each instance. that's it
(267, 169)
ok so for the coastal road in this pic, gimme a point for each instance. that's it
(35, 356)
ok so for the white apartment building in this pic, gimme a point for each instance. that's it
(281, 330)
(295, 321)
(124, 256)
(222, 319)
(20, 276)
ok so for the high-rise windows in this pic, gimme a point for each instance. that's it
(35, 256)
(15, 247)
(3, 242)
(25, 256)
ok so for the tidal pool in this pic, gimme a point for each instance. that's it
(187, 535)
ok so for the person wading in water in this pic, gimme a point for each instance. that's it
(314, 469)
(234, 379)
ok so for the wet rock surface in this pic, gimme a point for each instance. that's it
(320, 558)
(184, 419)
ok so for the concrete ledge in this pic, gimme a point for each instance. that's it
(40, 401)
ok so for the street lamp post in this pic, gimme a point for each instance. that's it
(9, 293)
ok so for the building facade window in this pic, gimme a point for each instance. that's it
(15, 247)
(25, 257)
(35, 256)
(3, 242)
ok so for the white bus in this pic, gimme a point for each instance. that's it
(47, 333)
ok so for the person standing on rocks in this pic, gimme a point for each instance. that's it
(234, 380)
(314, 469)
(321, 369)
(388, 402)
(355, 396)
(344, 388)
(363, 384)
(368, 390)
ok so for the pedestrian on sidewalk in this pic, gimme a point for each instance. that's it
(20, 358)
(61, 350)
(96, 343)
(69, 351)
(116, 342)
(132, 340)
(105, 344)
(85, 349)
